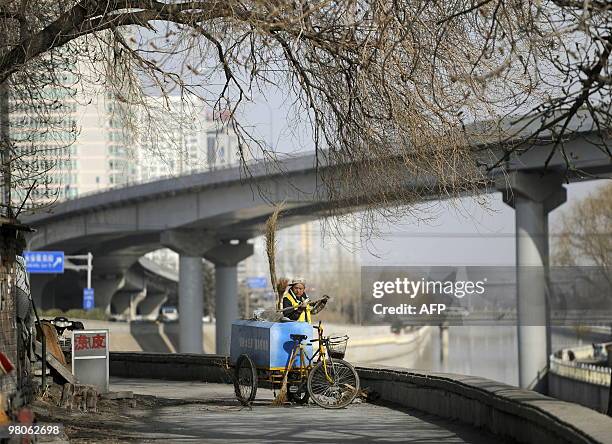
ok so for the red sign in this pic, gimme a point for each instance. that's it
(90, 357)
(83, 342)
(90, 343)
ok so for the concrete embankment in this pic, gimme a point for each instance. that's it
(506, 411)
(376, 348)
(578, 374)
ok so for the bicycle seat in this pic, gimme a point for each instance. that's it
(298, 338)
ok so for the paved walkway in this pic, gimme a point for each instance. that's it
(210, 413)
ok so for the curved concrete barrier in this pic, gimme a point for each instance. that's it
(171, 366)
(522, 415)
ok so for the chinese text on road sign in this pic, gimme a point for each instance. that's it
(88, 298)
(44, 261)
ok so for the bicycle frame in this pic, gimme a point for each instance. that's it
(319, 354)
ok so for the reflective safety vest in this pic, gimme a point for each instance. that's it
(305, 315)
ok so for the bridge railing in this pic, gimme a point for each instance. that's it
(133, 182)
(574, 377)
(593, 374)
(200, 170)
(562, 365)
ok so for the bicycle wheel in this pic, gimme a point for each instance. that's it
(337, 393)
(245, 380)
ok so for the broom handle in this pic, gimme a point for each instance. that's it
(291, 359)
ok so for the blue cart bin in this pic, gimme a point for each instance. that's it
(268, 344)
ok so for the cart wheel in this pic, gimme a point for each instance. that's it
(300, 397)
(337, 392)
(245, 380)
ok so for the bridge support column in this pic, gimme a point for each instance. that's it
(150, 305)
(190, 245)
(105, 289)
(533, 196)
(125, 302)
(226, 258)
(191, 304)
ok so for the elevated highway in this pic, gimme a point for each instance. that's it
(213, 214)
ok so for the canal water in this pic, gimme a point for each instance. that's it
(486, 351)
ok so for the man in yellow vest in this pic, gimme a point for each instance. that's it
(295, 302)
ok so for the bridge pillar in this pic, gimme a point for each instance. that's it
(191, 304)
(150, 305)
(226, 258)
(125, 302)
(190, 245)
(105, 289)
(533, 196)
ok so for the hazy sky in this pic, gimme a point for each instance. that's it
(467, 234)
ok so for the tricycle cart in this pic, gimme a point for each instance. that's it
(265, 353)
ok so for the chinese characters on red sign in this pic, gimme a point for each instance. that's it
(84, 342)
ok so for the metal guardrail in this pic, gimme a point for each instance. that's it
(593, 374)
(131, 183)
(227, 166)
(581, 371)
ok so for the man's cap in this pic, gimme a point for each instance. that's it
(297, 280)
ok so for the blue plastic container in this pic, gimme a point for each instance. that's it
(268, 344)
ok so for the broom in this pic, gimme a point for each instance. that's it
(281, 398)
(271, 225)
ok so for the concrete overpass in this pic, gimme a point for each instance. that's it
(141, 289)
(213, 214)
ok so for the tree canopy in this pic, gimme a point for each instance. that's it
(376, 80)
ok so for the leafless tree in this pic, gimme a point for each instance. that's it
(585, 244)
(388, 86)
(585, 238)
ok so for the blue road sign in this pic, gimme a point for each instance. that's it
(44, 261)
(88, 298)
(257, 282)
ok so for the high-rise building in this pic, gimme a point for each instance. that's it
(42, 130)
(86, 146)
(71, 143)
(186, 139)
